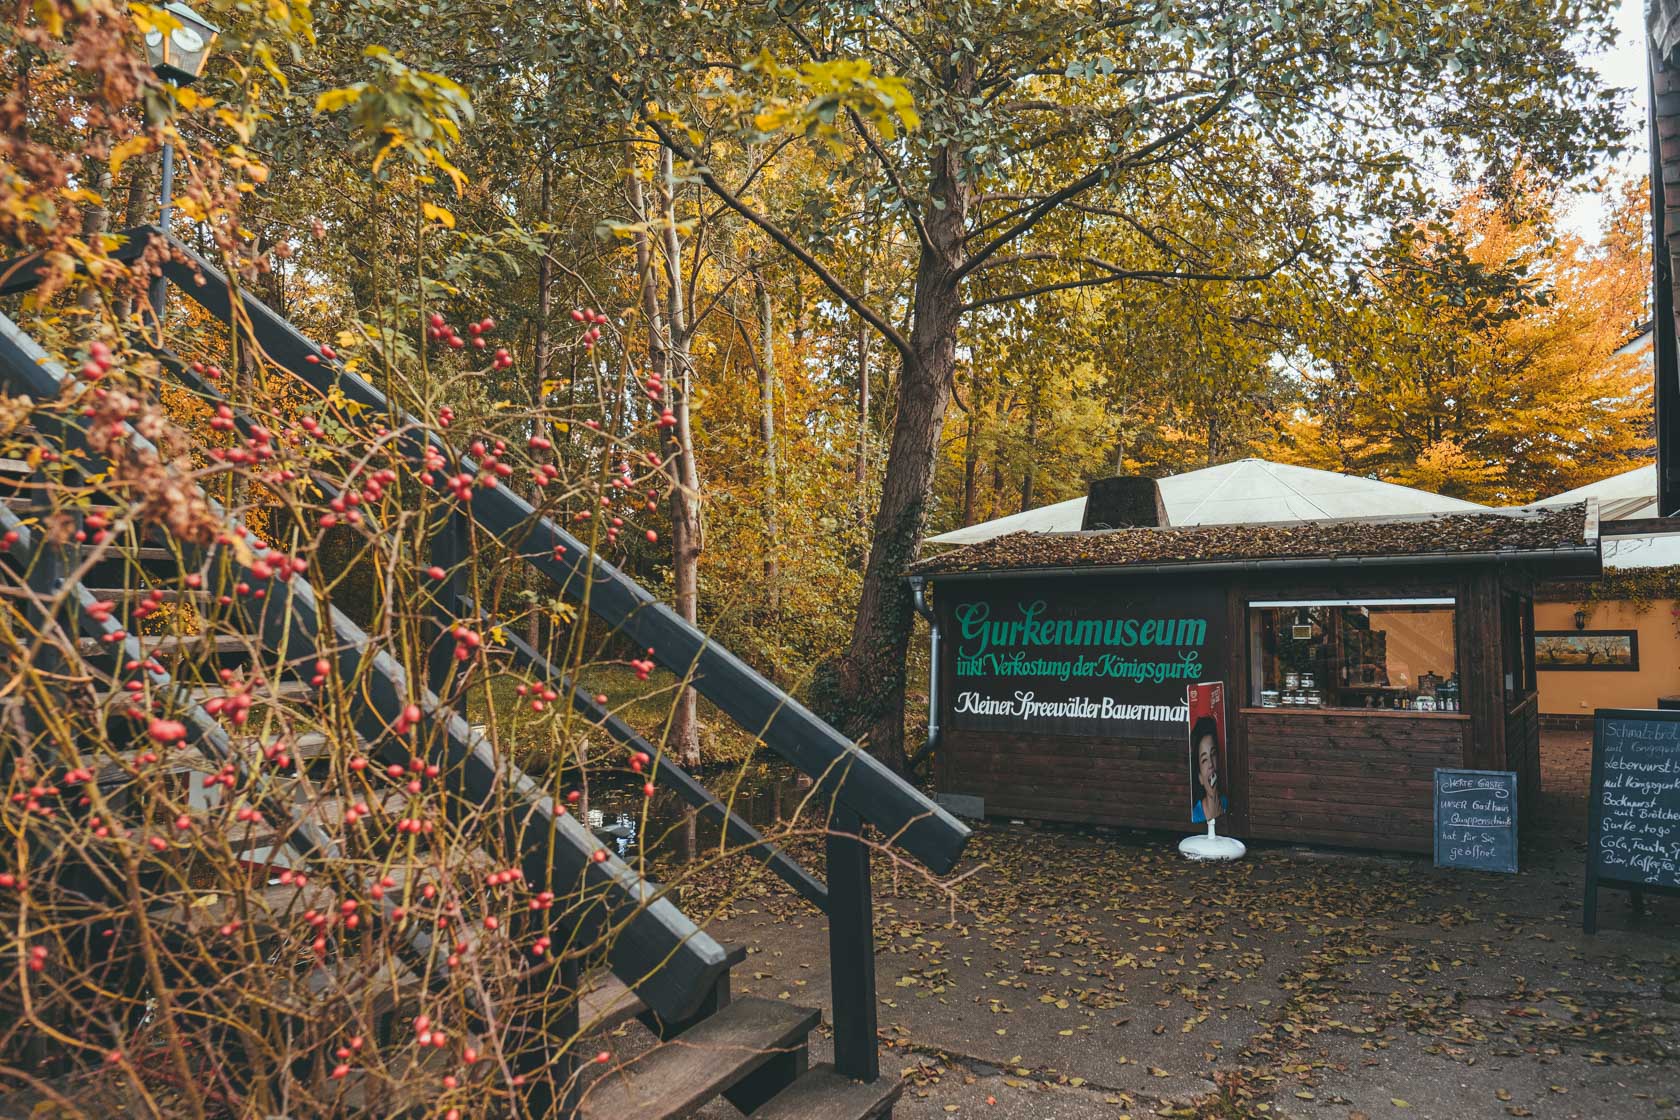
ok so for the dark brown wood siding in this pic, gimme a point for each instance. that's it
(1139, 783)
(1522, 754)
(1480, 662)
(1357, 780)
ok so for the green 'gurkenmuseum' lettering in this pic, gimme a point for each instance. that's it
(980, 633)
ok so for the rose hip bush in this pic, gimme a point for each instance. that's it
(173, 950)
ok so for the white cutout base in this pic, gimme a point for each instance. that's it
(1211, 846)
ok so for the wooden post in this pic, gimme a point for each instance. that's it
(450, 547)
(539, 1032)
(851, 948)
(45, 579)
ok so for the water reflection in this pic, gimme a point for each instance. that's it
(619, 833)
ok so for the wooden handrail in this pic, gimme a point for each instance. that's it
(675, 777)
(906, 818)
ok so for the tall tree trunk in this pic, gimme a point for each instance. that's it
(767, 432)
(540, 346)
(94, 222)
(685, 471)
(971, 460)
(684, 740)
(872, 676)
(861, 470)
(1029, 477)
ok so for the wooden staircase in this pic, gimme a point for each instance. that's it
(661, 971)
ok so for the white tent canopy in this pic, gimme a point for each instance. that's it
(1248, 491)
(1633, 493)
(1629, 494)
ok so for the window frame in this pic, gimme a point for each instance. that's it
(1254, 677)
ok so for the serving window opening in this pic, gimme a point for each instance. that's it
(1353, 654)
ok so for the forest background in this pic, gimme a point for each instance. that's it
(889, 269)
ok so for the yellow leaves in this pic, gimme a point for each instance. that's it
(149, 18)
(47, 12)
(190, 99)
(437, 214)
(820, 93)
(240, 126)
(332, 100)
(1398, 1103)
(265, 59)
(127, 149)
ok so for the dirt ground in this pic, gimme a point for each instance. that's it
(1094, 973)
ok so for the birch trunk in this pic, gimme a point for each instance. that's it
(767, 432)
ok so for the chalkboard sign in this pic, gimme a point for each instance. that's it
(1633, 837)
(1476, 819)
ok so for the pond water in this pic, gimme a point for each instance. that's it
(762, 793)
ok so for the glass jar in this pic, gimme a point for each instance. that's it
(1292, 681)
(1315, 698)
(1268, 698)
(1307, 681)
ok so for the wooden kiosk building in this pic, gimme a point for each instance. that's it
(1358, 656)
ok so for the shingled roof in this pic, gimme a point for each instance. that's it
(1557, 531)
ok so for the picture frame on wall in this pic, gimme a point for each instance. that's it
(1590, 651)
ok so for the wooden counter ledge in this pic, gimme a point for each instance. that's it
(1354, 713)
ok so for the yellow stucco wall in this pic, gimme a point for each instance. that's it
(1578, 693)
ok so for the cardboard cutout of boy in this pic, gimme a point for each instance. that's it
(1207, 751)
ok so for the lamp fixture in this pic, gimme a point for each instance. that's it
(180, 54)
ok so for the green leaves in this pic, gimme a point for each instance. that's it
(812, 97)
(416, 112)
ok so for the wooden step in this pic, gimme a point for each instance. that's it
(606, 1002)
(822, 1094)
(135, 594)
(269, 692)
(304, 748)
(384, 988)
(677, 1077)
(167, 645)
(272, 907)
(115, 551)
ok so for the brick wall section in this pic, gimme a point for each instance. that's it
(1566, 772)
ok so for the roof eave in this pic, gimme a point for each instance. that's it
(1586, 555)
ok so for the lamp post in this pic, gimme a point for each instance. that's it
(178, 56)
